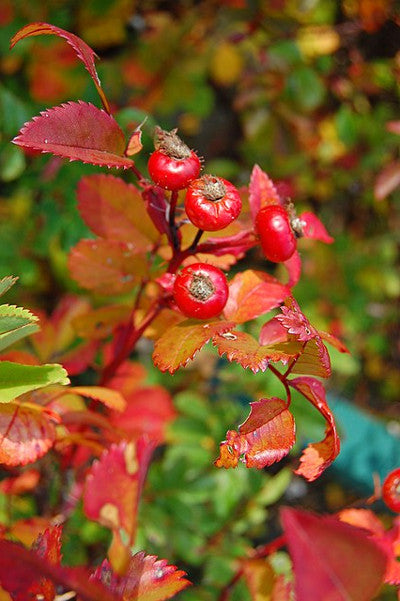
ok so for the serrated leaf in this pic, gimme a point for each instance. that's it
(106, 266)
(265, 437)
(262, 191)
(293, 266)
(314, 360)
(21, 568)
(26, 434)
(317, 456)
(112, 492)
(77, 131)
(325, 552)
(146, 579)
(6, 283)
(313, 228)
(115, 210)
(83, 51)
(16, 379)
(253, 293)
(178, 345)
(15, 323)
(245, 350)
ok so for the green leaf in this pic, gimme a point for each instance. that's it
(15, 323)
(6, 283)
(16, 379)
(305, 88)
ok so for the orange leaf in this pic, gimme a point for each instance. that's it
(180, 343)
(26, 434)
(317, 456)
(146, 578)
(245, 350)
(253, 293)
(265, 437)
(325, 552)
(110, 398)
(115, 210)
(106, 266)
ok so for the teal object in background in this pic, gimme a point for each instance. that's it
(367, 447)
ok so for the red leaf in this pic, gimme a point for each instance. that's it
(313, 228)
(389, 541)
(26, 434)
(179, 344)
(245, 350)
(387, 181)
(393, 127)
(113, 487)
(265, 437)
(77, 131)
(115, 210)
(293, 266)
(262, 191)
(317, 456)
(253, 293)
(332, 340)
(106, 266)
(21, 568)
(325, 553)
(47, 546)
(83, 51)
(273, 332)
(149, 410)
(235, 245)
(146, 579)
(157, 207)
(295, 322)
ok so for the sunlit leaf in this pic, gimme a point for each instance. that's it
(15, 323)
(16, 379)
(26, 434)
(317, 456)
(77, 131)
(314, 360)
(178, 345)
(253, 293)
(245, 350)
(83, 51)
(106, 266)
(324, 552)
(146, 579)
(108, 397)
(265, 437)
(6, 283)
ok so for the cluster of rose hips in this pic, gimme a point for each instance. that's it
(211, 204)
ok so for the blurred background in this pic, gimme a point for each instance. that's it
(307, 89)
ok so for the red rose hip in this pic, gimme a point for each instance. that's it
(276, 235)
(212, 203)
(201, 291)
(172, 165)
(391, 490)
